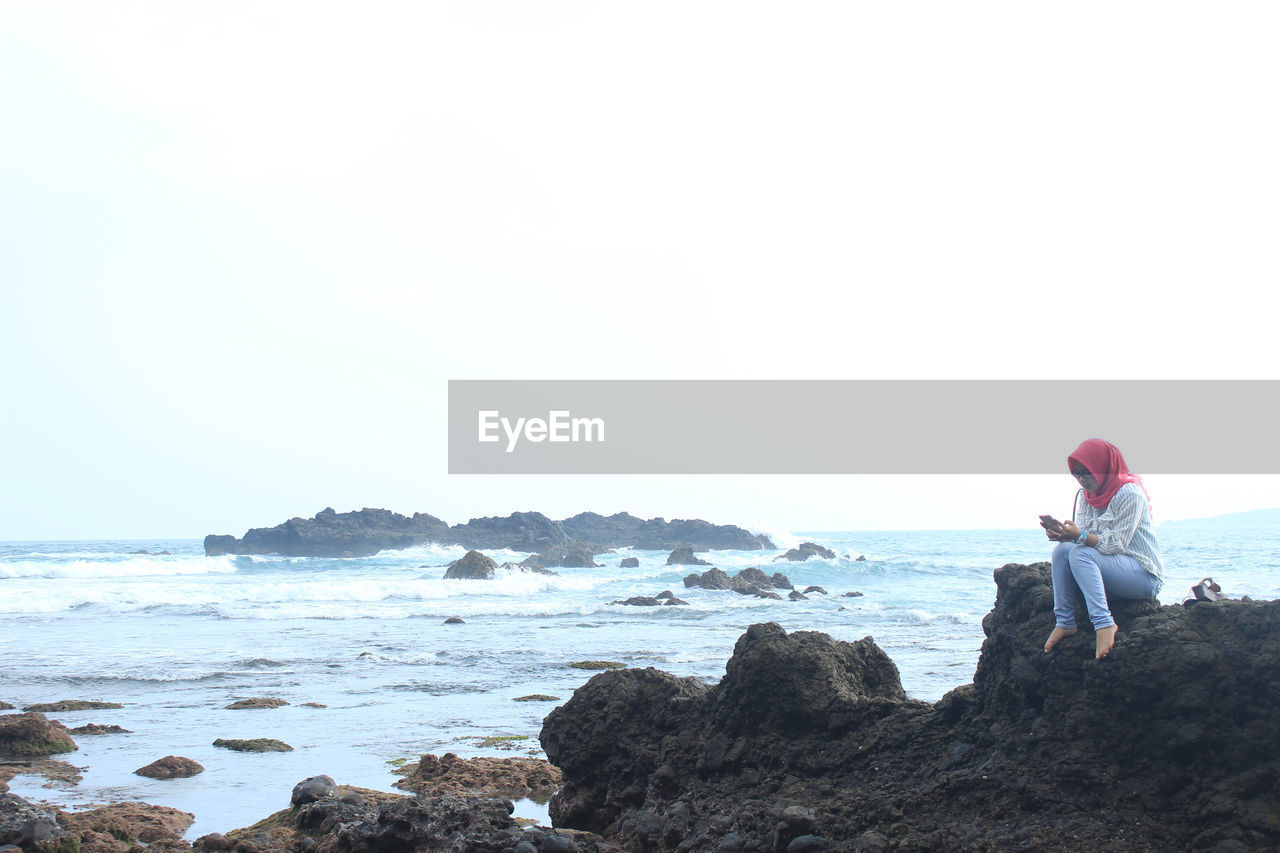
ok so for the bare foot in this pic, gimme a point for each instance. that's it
(1105, 638)
(1058, 634)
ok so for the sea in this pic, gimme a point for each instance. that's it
(177, 637)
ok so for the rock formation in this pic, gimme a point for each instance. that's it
(472, 566)
(807, 743)
(490, 777)
(683, 556)
(256, 703)
(171, 767)
(327, 818)
(749, 581)
(807, 550)
(32, 733)
(368, 531)
(576, 555)
(107, 829)
(257, 744)
(334, 534)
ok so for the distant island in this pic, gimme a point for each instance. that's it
(368, 531)
(1247, 518)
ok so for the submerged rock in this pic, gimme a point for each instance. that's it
(32, 733)
(73, 705)
(170, 767)
(629, 563)
(98, 729)
(1170, 742)
(639, 601)
(248, 704)
(260, 744)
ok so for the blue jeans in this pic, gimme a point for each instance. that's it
(1098, 575)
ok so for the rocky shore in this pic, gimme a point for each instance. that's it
(1171, 742)
(810, 744)
(368, 531)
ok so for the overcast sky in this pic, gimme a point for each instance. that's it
(243, 247)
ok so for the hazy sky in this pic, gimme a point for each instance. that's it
(243, 247)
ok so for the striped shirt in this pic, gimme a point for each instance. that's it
(1124, 527)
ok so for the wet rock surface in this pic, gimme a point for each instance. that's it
(105, 829)
(492, 777)
(170, 767)
(351, 820)
(258, 744)
(32, 733)
(805, 550)
(73, 705)
(684, 556)
(99, 729)
(808, 743)
(256, 702)
(574, 555)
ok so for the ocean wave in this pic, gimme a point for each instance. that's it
(131, 567)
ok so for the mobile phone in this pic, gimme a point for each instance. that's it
(1046, 520)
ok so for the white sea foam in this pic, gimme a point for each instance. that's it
(131, 567)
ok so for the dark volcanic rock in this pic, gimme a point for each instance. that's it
(629, 563)
(710, 579)
(639, 601)
(170, 767)
(1172, 742)
(334, 534)
(357, 820)
(472, 566)
(683, 556)
(33, 734)
(575, 555)
(311, 789)
(657, 534)
(368, 531)
(520, 531)
(807, 550)
(27, 826)
(781, 581)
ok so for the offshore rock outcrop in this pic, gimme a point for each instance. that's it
(334, 534)
(368, 531)
(807, 743)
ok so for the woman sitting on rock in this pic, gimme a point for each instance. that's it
(1112, 552)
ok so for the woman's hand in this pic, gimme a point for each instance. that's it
(1068, 532)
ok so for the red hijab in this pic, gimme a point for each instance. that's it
(1103, 460)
